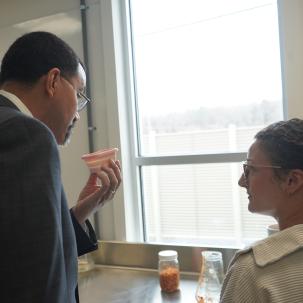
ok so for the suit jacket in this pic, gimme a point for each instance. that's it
(39, 236)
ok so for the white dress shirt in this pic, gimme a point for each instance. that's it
(14, 99)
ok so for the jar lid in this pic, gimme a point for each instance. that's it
(166, 255)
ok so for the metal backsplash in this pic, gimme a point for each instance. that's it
(143, 255)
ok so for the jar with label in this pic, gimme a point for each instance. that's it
(169, 270)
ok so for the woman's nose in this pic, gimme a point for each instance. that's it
(242, 181)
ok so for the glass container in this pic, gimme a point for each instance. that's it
(211, 277)
(169, 270)
(85, 263)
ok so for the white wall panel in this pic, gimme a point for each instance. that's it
(16, 11)
(291, 32)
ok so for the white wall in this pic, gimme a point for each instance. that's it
(291, 32)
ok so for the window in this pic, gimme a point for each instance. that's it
(207, 77)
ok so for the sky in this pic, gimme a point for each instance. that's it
(205, 53)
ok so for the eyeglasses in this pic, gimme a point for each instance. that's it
(82, 99)
(247, 167)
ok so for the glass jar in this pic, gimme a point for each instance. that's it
(169, 270)
(85, 263)
(211, 277)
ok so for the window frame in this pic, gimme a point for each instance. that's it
(132, 210)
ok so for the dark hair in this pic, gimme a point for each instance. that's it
(34, 54)
(283, 143)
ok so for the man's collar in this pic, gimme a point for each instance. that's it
(17, 102)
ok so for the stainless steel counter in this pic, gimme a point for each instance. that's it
(127, 272)
(108, 284)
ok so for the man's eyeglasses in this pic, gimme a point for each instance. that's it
(247, 167)
(82, 99)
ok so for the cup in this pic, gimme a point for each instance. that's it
(85, 263)
(99, 158)
(272, 229)
(211, 277)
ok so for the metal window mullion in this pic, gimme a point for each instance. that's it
(190, 159)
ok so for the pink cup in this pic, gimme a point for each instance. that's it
(99, 158)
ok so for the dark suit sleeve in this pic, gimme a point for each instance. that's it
(86, 242)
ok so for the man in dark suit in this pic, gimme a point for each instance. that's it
(42, 85)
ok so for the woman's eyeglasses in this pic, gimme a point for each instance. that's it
(247, 167)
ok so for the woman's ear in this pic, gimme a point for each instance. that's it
(52, 80)
(294, 181)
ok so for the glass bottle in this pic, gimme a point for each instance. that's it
(169, 270)
(211, 277)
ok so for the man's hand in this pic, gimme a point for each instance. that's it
(94, 195)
